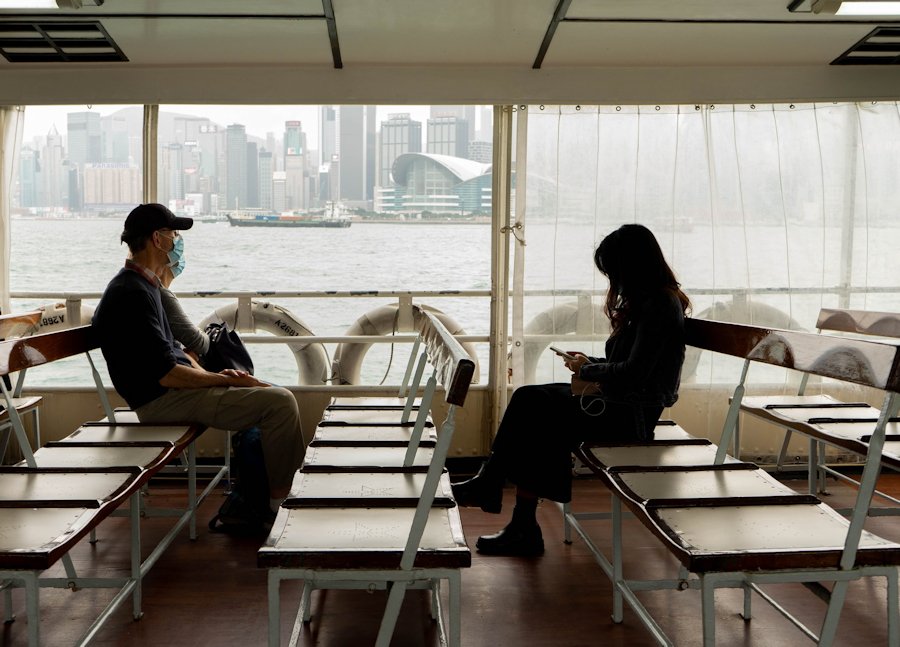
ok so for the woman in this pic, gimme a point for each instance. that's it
(618, 398)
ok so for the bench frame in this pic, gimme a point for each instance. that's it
(454, 369)
(17, 356)
(791, 350)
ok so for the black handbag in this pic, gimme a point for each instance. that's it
(226, 350)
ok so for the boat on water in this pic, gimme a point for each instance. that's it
(286, 220)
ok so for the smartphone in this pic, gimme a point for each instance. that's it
(562, 353)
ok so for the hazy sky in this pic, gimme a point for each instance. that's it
(258, 119)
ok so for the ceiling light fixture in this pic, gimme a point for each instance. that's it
(857, 7)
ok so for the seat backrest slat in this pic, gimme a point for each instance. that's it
(454, 368)
(27, 352)
(862, 322)
(870, 363)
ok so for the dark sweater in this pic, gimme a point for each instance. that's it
(643, 360)
(135, 338)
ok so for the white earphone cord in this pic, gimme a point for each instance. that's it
(595, 398)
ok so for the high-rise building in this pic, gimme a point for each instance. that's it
(481, 151)
(111, 185)
(278, 196)
(53, 189)
(356, 128)
(252, 175)
(266, 170)
(114, 140)
(486, 128)
(84, 138)
(171, 174)
(460, 112)
(328, 133)
(235, 167)
(295, 166)
(29, 177)
(448, 135)
(399, 134)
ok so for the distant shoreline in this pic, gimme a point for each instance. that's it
(429, 221)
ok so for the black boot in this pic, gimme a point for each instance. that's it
(516, 540)
(484, 490)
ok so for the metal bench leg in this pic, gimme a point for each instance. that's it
(137, 594)
(36, 418)
(306, 601)
(275, 607)
(833, 615)
(893, 608)
(618, 605)
(708, 603)
(391, 611)
(748, 598)
(454, 622)
(8, 615)
(32, 608)
(812, 468)
(567, 527)
(782, 454)
(823, 484)
(192, 489)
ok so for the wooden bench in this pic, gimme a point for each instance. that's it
(61, 492)
(731, 525)
(378, 516)
(825, 420)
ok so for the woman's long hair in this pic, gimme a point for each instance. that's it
(632, 260)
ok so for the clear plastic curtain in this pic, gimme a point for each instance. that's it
(766, 212)
(11, 123)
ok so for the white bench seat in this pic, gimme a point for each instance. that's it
(125, 434)
(26, 485)
(103, 456)
(364, 459)
(657, 453)
(347, 538)
(34, 538)
(363, 490)
(764, 537)
(368, 436)
(387, 403)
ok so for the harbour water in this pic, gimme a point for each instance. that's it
(713, 263)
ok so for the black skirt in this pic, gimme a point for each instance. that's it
(544, 423)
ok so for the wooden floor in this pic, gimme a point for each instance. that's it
(210, 592)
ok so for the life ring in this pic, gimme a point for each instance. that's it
(383, 321)
(55, 317)
(312, 359)
(561, 319)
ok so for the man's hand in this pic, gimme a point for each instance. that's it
(241, 378)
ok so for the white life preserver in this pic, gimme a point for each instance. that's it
(383, 321)
(55, 317)
(561, 319)
(312, 360)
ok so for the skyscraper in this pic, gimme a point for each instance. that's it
(29, 177)
(460, 112)
(357, 154)
(328, 133)
(235, 167)
(171, 176)
(84, 138)
(399, 134)
(448, 135)
(266, 171)
(295, 158)
(53, 191)
(252, 175)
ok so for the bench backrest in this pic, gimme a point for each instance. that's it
(867, 362)
(454, 369)
(28, 352)
(861, 322)
(19, 324)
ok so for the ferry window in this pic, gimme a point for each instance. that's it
(330, 198)
(766, 212)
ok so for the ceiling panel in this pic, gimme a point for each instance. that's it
(664, 45)
(221, 42)
(687, 10)
(415, 32)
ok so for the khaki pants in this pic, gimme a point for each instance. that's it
(273, 410)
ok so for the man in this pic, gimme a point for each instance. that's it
(159, 381)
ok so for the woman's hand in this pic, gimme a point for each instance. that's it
(575, 364)
(583, 387)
